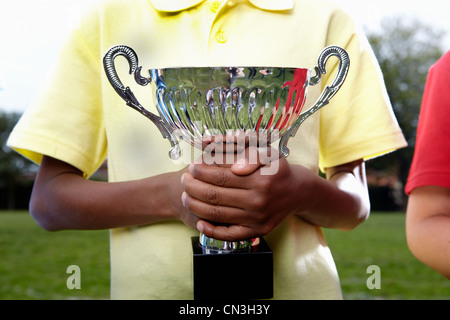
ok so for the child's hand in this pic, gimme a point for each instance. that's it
(242, 201)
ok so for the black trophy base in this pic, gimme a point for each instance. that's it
(240, 275)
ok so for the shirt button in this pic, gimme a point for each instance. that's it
(221, 37)
(215, 6)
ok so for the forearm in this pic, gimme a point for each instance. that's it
(428, 225)
(429, 242)
(66, 200)
(341, 201)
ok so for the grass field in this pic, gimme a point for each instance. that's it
(33, 262)
(381, 241)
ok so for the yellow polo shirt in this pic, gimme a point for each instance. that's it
(81, 120)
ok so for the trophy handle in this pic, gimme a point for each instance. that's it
(128, 95)
(327, 94)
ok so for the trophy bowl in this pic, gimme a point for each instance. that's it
(197, 103)
(194, 102)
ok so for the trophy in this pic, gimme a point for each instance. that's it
(195, 102)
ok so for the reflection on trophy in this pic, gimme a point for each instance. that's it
(224, 104)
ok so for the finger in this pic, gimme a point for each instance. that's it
(245, 168)
(189, 218)
(212, 194)
(254, 158)
(218, 176)
(226, 233)
(247, 162)
(213, 213)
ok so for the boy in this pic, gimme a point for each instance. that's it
(152, 214)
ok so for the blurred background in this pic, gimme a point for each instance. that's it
(407, 37)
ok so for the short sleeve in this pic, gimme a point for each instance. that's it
(66, 120)
(359, 122)
(430, 165)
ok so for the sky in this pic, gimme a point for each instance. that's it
(31, 32)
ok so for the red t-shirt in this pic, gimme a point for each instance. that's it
(431, 162)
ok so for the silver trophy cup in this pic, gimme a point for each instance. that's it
(196, 102)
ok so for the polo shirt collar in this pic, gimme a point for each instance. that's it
(179, 5)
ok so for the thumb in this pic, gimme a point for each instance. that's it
(247, 162)
(244, 169)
